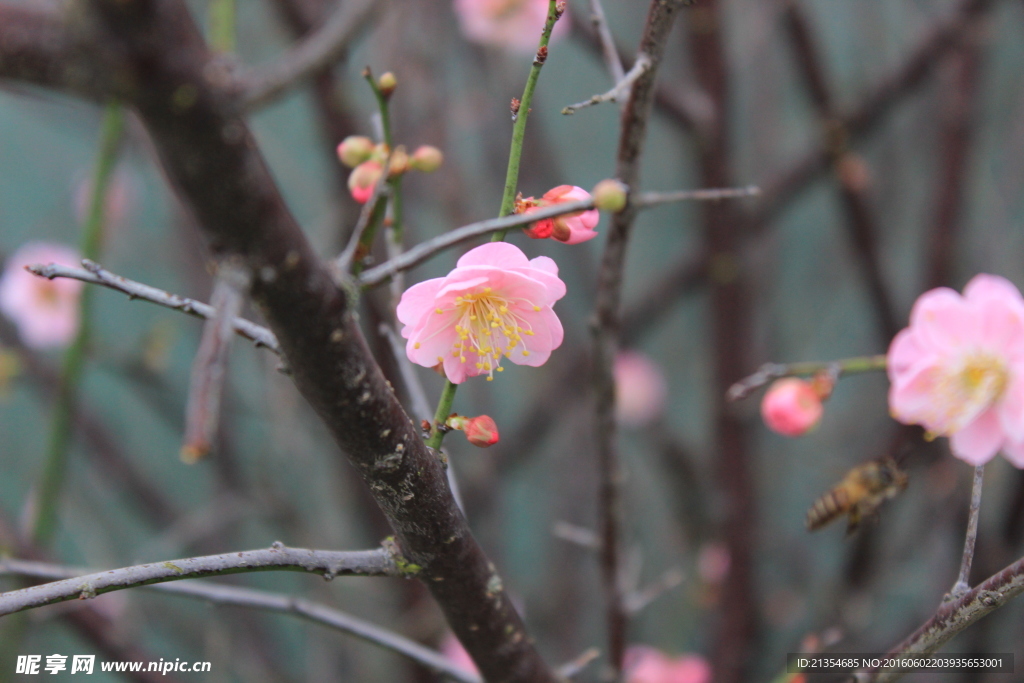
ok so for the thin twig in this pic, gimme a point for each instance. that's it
(963, 582)
(328, 563)
(608, 48)
(607, 323)
(320, 50)
(273, 602)
(640, 599)
(772, 371)
(381, 192)
(619, 90)
(575, 667)
(649, 199)
(424, 250)
(210, 366)
(97, 275)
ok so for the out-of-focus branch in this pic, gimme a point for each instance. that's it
(959, 96)
(953, 617)
(210, 366)
(850, 169)
(97, 275)
(608, 48)
(723, 229)
(272, 602)
(37, 46)
(772, 371)
(328, 563)
(872, 108)
(607, 323)
(319, 50)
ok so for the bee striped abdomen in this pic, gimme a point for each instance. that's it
(826, 509)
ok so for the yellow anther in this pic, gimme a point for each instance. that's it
(416, 345)
(438, 310)
(536, 308)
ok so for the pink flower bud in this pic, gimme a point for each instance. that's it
(354, 150)
(791, 407)
(645, 664)
(571, 228)
(399, 162)
(453, 651)
(387, 84)
(362, 180)
(610, 195)
(427, 159)
(480, 431)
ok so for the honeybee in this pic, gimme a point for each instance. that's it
(861, 492)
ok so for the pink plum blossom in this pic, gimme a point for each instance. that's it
(791, 407)
(495, 304)
(958, 370)
(45, 311)
(453, 651)
(647, 665)
(512, 24)
(640, 389)
(571, 228)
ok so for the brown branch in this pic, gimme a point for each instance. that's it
(211, 157)
(328, 563)
(861, 223)
(956, 138)
(36, 46)
(210, 366)
(953, 617)
(606, 325)
(730, 323)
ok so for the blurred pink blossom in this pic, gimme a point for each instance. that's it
(363, 179)
(713, 562)
(958, 370)
(571, 228)
(511, 24)
(452, 649)
(495, 304)
(791, 407)
(45, 311)
(647, 665)
(640, 389)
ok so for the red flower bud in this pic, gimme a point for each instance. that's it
(480, 431)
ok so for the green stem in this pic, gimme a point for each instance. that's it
(55, 465)
(396, 183)
(444, 409)
(846, 366)
(222, 25)
(508, 198)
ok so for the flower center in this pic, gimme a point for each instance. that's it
(970, 390)
(489, 327)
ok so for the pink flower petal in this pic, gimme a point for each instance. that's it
(978, 442)
(1014, 453)
(497, 254)
(942, 321)
(985, 287)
